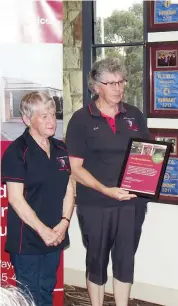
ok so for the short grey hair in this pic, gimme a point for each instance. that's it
(14, 296)
(110, 64)
(30, 101)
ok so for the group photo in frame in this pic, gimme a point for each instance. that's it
(169, 188)
(162, 16)
(162, 79)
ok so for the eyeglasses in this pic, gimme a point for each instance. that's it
(121, 83)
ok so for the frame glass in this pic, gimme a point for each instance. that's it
(162, 16)
(144, 167)
(162, 77)
(169, 188)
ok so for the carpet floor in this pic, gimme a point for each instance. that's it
(75, 296)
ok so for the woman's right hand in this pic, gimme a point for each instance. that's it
(48, 235)
(118, 193)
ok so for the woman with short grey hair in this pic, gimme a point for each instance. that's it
(110, 218)
(30, 102)
(36, 170)
(108, 65)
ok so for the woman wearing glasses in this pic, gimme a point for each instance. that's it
(110, 218)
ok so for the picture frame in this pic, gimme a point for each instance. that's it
(144, 167)
(169, 188)
(162, 79)
(162, 16)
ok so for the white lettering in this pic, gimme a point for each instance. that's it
(5, 265)
(3, 192)
(3, 231)
(3, 209)
(43, 21)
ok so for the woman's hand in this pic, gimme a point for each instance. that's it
(118, 193)
(60, 230)
(82, 176)
(49, 237)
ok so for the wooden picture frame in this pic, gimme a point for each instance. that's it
(162, 79)
(169, 188)
(162, 16)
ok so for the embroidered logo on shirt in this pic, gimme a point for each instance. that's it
(96, 128)
(131, 124)
(63, 162)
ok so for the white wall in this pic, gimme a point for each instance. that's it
(156, 262)
(35, 63)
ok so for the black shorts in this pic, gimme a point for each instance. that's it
(104, 230)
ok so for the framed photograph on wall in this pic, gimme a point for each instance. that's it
(169, 188)
(162, 16)
(162, 78)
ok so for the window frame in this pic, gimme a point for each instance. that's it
(89, 47)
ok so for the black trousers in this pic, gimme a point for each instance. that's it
(106, 230)
(140, 211)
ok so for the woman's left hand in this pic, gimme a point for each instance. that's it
(60, 230)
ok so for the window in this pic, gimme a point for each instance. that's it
(118, 21)
(116, 28)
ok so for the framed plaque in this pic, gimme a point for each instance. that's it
(162, 16)
(169, 188)
(144, 167)
(162, 76)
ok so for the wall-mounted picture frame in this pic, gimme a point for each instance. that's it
(162, 79)
(162, 16)
(169, 188)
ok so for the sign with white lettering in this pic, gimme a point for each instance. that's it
(7, 271)
(162, 15)
(166, 90)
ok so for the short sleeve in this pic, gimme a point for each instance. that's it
(145, 133)
(12, 165)
(75, 136)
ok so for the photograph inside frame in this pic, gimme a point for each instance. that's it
(166, 58)
(172, 140)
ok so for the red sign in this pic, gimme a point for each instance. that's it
(7, 271)
(142, 172)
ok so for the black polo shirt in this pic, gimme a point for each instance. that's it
(45, 182)
(90, 137)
